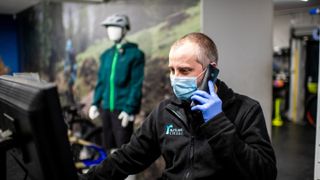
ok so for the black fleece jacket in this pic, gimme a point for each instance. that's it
(233, 145)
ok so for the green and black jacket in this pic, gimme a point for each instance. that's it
(120, 79)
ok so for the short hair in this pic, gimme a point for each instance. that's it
(206, 52)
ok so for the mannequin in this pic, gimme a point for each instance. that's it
(115, 34)
(119, 87)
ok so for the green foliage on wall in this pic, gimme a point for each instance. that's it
(154, 41)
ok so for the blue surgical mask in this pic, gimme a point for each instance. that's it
(183, 87)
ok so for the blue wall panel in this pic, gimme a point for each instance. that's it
(8, 42)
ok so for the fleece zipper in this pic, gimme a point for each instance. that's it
(188, 173)
(112, 76)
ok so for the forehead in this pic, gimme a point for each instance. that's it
(183, 54)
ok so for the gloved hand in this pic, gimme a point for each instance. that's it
(209, 104)
(125, 118)
(93, 112)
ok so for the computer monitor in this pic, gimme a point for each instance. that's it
(31, 111)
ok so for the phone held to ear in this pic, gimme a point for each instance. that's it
(211, 74)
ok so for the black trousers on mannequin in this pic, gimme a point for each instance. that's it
(114, 135)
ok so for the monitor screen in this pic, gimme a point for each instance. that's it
(30, 112)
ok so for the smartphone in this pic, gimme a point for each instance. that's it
(210, 74)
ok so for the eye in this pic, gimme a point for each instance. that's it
(185, 71)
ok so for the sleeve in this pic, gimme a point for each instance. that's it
(131, 158)
(136, 81)
(245, 150)
(100, 86)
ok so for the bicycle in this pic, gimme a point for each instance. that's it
(311, 104)
(85, 138)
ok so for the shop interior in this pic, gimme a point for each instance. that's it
(268, 50)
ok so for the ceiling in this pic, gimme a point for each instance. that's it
(294, 4)
(16, 6)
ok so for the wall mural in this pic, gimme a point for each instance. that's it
(63, 42)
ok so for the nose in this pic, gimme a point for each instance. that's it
(176, 73)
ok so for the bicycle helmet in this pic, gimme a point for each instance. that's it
(117, 20)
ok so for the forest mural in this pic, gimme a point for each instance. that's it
(63, 42)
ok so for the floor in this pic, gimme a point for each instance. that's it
(294, 146)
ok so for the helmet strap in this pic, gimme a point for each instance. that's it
(122, 39)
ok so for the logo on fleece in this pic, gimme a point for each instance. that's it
(170, 130)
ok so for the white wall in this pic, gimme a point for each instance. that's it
(242, 30)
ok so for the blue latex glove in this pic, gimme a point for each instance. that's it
(209, 104)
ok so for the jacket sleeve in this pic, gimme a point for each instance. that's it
(100, 86)
(137, 75)
(244, 150)
(131, 158)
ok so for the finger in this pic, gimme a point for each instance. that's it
(94, 115)
(202, 94)
(124, 123)
(120, 116)
(199, 99)
(211, 87)
(197, 107)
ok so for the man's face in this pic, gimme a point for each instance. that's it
(183, 61)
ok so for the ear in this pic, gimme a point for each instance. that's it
(214, 64)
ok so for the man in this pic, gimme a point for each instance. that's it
(119, 85)
(70, 70)
(231, 142)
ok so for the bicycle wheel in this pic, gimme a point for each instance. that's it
(311, 110)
